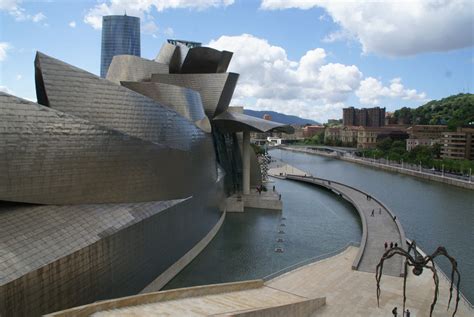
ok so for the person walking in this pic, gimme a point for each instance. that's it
(372, 214)
(394, 312)
(407, 313)
(391, 245)
(380, 211)
(396, 244)
(386, 245)
(273, 187)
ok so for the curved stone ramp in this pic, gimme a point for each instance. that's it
(248, 298)
(376, 229)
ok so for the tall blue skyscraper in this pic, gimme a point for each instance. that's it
(120, 35)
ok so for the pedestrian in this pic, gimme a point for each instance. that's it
(396, 244)
(380, 211)
(279, 196)
(273, 187)
(407, 314)
(386, 245)
(394, 312)
(394, 218)
(367, 197)
(391, 245)
(372, 214)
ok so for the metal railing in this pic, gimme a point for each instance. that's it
(310, 260)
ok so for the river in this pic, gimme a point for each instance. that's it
(317, 222)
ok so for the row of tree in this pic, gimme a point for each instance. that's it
(427, 156)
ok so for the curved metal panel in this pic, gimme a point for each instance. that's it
(173, 56)
(186, 102)
(206, 60)
(48, 157)
(133, 68)
(77, 92)
(216, 89)
(237, 122)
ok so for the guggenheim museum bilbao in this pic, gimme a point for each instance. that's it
(108, 184)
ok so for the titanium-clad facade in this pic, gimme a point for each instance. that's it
(120, 36)
(48, 157)
(126, 169)
(133, 68)
(186, 102)
(216, 89)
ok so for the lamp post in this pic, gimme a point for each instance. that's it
(470, 175)
(442, 170)
(420, 166)
(402, 163)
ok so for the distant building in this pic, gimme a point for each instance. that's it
(413, 143)
(332, 134)
(425, 135)
(426, 131)
(348, 135)
(367, 137)
(312, 130)
(458, 145)
(371, 117)
(120, 36)
(390, 118)
(268, 117)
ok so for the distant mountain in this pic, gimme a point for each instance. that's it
(280, 117)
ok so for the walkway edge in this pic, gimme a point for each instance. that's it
(358, 258)
(163, 279)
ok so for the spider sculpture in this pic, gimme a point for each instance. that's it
(418, 262)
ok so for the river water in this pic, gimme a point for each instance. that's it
(317, 221)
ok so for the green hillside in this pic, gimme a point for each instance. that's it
(455, 111)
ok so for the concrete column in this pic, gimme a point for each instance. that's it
(246, 162)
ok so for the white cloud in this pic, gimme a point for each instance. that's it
(19, 77)
(371, 91)
(393, 27)
(4, 47)
(14, 9)
(6, 90)
(309, 87)
(38, 17)
(142, 7)
(72, 24)
(270, 81)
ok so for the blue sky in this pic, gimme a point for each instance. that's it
(309, 57)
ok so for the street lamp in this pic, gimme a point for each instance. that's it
(420, 166)
(442, 170)
(402, 163)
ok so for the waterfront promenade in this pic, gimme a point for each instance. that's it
(378, 222)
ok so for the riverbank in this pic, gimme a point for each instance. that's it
(386, 167)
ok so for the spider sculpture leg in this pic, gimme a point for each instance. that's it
(387, 255)
(454, 273)
(436, 281)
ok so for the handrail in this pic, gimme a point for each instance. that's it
(361, 214)
(467, 302)
(310, 260)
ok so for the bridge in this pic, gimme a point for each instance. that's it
(379, 224)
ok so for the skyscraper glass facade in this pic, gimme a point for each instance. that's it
(120, 35)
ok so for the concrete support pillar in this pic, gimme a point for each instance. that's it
(246, 162)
